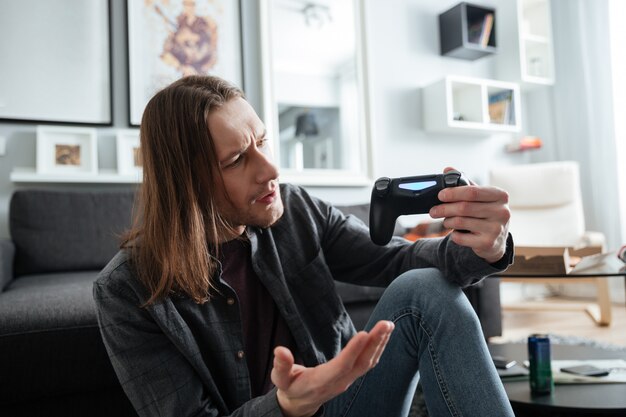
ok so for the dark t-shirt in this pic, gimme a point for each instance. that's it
(263, 326)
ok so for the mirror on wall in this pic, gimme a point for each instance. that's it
(315, 101)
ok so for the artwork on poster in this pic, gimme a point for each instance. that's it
(128, 152)
(66, 150)
(170, 39)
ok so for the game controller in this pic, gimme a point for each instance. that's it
(393, 197)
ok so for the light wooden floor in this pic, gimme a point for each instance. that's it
(519, 324)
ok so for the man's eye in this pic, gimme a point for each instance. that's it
(236, 162)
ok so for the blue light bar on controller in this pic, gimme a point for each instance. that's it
(417, 186)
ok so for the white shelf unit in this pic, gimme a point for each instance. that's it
(29, 175)
(526, 47)
(457, 104)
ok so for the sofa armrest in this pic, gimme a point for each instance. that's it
(7, 253)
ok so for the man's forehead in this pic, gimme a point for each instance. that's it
(232, 120)
(230, 142)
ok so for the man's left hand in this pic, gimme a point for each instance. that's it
(482, 212)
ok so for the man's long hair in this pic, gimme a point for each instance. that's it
(176, 221)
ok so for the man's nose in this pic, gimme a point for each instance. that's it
(267, 169)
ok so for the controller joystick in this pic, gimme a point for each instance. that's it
(393, 197)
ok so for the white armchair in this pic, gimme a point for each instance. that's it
(546, 206)
(546, 202)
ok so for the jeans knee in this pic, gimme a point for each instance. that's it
(423, 281)
(428, 291)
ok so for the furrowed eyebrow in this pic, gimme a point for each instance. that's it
(234, 154)
(243, 149)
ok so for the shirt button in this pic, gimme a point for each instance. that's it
(230, 301)
(241, 354)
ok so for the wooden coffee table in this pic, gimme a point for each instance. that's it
(610, 267)
(566, 400)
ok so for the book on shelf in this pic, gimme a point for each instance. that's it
(501, 107)
(486, 30)
(479, 31)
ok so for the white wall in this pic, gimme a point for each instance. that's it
(617, 11)
(403, 54)
(402, 47)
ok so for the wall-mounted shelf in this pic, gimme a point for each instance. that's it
(526, 54)
(467, 105)
(467, 31)
(29, 175)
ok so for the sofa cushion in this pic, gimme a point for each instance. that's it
(7, 254)
(60, 230)
(35, 303)
(50, 343)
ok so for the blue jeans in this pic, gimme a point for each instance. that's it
(437, 338)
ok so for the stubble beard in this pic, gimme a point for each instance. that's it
(255, 216)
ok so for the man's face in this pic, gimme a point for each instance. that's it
(250, 176)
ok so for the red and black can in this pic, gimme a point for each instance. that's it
(541, 382)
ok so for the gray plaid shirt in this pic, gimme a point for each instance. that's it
(155, 352)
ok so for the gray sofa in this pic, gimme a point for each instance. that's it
(52, 360)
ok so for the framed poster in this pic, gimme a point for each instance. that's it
(56, 62)
(129, 153)
(67, 150)
(170, 39)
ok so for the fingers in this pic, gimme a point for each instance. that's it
(301, 388)
(344, 362)
(477, 234)
(463, 215)
(481, 211)
(490, 249)
(283, 364)
(354, 363)
(473, 193)
(495, 211)
(448, 169)
(380, 335)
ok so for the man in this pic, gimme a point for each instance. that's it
(222, 300)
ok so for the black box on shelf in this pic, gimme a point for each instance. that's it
(467, 31)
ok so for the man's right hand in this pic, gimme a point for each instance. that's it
(302, 391)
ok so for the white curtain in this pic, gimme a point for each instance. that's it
(582, 109)
(617, 11)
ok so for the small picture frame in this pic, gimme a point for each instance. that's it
(128, 153)
(67, 150)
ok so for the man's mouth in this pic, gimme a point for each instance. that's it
(267, 198)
